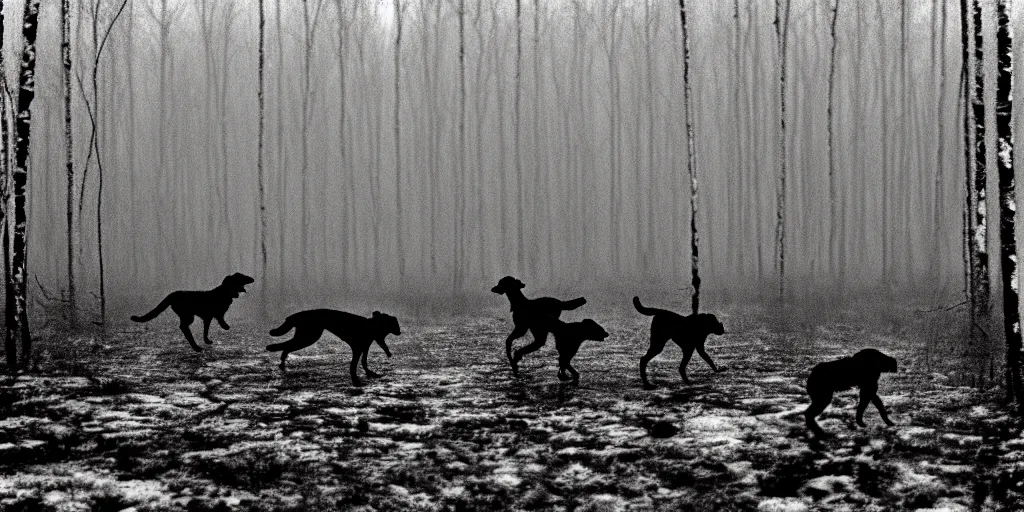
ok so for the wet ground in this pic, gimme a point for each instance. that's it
(140, 421)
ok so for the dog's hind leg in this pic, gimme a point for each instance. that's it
(185, 324)
(657, 345)
(818, 404)
(223, 325)
(369, 373)
(302, 339)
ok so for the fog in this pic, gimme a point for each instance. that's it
(575, 153)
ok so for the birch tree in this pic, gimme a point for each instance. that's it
(1008, 203)
(980, 221)
(19, 177)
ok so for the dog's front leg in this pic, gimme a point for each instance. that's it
(865, 397)
(881, 409)
(704, 355)
(369, 373)
(353, 368)
(682, 366)
(206, 331)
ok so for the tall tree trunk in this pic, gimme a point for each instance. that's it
(261, 106)
(980, 247)
(1008, 203)
(10, 340)
(23, 126)
(938, 206)
(520, 241)
(65, 31)
(460, 186)
(969, 197)
(398, 140)
(781, 35)
(225, 170)
(832, 249)
(691, 163)
(884, 84)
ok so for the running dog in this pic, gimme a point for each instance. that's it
(207, 305)
(862, 371)
(689, 332)
(359, 332)
(528, 315)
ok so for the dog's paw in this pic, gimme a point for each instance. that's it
(648, 386)
(858, 424)
(372, 374)
(357, 384)
(226, 327)
(889, 422)
(208, 341)
(563, 377)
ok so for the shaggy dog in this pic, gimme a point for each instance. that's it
(862, 370)
(207, 305)
(528, 315)
(359, 332)
(689, 332)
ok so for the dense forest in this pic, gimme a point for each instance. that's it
(420, 148)
(544, 138)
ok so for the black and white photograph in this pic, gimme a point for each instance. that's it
(510, 255)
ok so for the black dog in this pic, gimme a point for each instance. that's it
(207, 305)
(689, 332)
(862, 370)
(359, 332)
(527, 315)
(568, 338)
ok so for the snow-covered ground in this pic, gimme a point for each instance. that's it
(143, 422)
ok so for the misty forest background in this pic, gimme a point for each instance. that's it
(423, 149)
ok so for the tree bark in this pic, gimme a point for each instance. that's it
(23, 127)
(1008, 203)
(261, 106)
(65, 31)
(691, 164)
(980, 247)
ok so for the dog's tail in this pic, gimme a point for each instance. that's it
(573, 304)
(278, 331)
(156, 311)
(643, 310)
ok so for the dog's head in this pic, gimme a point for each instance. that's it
(591, 330)
(388, 325)
(709, 323)
(508, 284)
(235, 283)
(875, 360)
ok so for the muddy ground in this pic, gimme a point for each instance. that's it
(140, 422)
